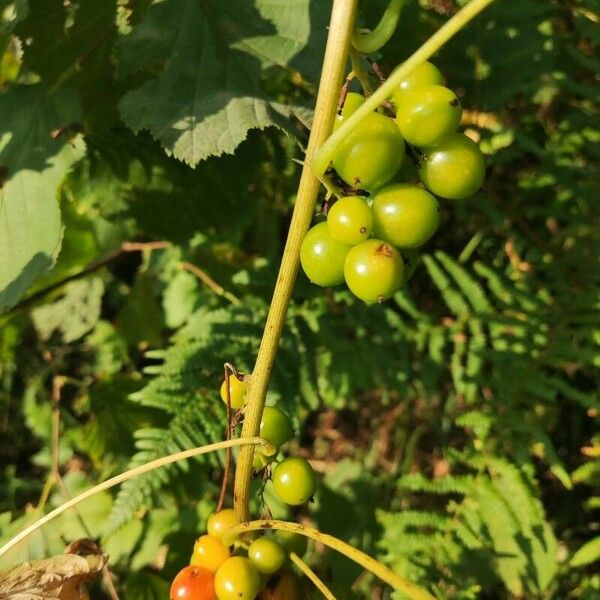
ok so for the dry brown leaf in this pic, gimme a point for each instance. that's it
(63, 577)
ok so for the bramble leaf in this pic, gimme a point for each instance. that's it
(210, 58)
(34, 157)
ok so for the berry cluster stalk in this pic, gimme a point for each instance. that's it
(341, 27)
(320, 149)
(409, 589)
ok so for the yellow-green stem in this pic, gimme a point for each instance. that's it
(131, 474)
(412, 591)
(323, 158)
(341, 26)
(302, 566)
(358, 71)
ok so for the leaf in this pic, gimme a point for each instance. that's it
(107, 435)
(145, 586)
(61, 577)
(179, 299)
(159, 523)
(63, 37)
(587, 554)
(122, 541)
(39, 544)
(208, 96)
(110, 347)
(33, 162)
(140, 320)
(12, 12)
(91, 514)
(73, 315)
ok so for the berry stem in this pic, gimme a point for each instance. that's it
(131, 474)
(322, 160)
(359, 72)
(229, 370)
(302, 566)
(341, 26)
(410, 590)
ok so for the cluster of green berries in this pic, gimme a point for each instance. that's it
(227, 569)
(366, 230)
(293, 478)
(224, 569)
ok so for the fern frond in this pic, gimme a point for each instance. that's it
(470, 287)
(451, 484)
(193, 425)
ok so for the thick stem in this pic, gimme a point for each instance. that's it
(410, 590)
(341, 26)
(433, 44)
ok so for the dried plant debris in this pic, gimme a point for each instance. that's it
(63, 576)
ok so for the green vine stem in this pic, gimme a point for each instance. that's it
(306, 570)
(342, 22)
(131, 474)
(358, 72)
(323, 157)
(376, 39)
(412, 591)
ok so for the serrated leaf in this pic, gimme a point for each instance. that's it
(107, 436)
(61, 36)
(208, 95)
(73, 315)
(110, 347)
(33, 162)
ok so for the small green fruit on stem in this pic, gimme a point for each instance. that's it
(323, 158)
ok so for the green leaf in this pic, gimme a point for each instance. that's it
(160, 522)
(91, 514)
(73, 315)
(207, 96)
(12, 12)
(121, 542)
(110, 346)
(33, 162)
(587, 554)
(179, 298)
(140, 319)
(145, 586)
(107, 435)
(503, 532)
(68, 41)
(40, 544)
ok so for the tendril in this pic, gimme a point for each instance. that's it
(368, 43)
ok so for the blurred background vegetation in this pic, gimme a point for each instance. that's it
(455, 427)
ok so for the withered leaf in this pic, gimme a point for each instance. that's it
(63, 577)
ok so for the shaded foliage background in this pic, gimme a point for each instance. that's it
(456, 427)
